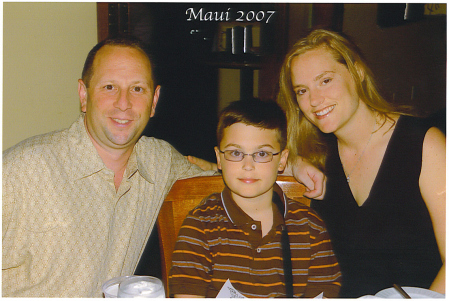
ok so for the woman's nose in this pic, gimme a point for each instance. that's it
(316, 98)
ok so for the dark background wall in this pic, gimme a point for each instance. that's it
(410, 56)
(186, 111)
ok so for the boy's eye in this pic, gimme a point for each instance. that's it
(235, 153)
(262, 154)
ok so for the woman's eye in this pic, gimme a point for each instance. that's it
(301, 91)
(327, 80)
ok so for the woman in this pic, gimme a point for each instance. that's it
(384, 205)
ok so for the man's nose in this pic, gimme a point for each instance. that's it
(123, 101)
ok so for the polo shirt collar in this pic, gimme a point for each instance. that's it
(238, 217)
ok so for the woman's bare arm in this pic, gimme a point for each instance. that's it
(432, 183)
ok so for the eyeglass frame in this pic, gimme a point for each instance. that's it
(252, 155)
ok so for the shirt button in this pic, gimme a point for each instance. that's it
(254, 226)
(258, 250)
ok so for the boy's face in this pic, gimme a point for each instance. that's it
(247, 178)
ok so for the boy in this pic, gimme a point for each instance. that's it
(238, 234)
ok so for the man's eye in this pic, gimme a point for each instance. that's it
(138, 89)
(109, 87)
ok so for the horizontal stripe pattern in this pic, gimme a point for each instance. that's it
(211, 249)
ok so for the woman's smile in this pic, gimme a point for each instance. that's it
(323, 113)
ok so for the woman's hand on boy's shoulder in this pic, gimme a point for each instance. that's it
(308, 175)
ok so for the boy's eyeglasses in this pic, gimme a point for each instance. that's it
(259, 157)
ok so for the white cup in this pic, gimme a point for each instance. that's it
(141, 287)
(110, 287)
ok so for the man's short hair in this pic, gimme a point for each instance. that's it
(254, 112)
(121, 41)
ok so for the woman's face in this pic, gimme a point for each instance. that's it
(325, 91)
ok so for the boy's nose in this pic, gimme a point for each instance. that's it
(248, 162)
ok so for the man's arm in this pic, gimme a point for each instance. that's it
(181, 168)
(203, 164)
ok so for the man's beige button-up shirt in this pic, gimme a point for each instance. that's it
(66, 229)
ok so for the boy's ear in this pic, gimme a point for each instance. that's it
(284, 160)
(217, 154)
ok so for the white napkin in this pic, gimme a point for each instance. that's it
(228, 291)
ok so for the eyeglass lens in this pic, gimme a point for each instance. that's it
(260, 156)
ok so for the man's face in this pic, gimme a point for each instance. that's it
(120, 98)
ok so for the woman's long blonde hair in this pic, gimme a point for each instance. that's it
(304, 138)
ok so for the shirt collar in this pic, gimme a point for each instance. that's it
(83, 151)
(238, 217)
(144, 168)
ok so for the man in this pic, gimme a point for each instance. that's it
(79, 204)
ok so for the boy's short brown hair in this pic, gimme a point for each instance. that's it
(254, 112)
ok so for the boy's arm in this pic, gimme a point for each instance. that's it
(191, 262)
(324, 271)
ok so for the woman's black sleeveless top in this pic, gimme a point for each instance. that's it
(389, 239)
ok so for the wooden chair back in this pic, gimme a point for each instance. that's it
(185, 195)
